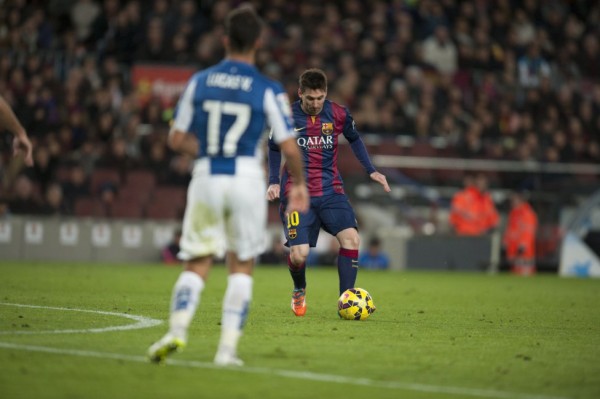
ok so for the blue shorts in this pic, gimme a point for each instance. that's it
(332, 213)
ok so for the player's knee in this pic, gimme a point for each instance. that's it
(350, 240)
(298, 255)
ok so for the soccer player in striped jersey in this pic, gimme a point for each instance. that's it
(319, 123)
(220, 120)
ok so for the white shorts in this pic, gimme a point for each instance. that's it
(224, 213)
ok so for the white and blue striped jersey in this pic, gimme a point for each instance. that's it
(229, 107)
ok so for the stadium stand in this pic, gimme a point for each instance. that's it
(463, 80)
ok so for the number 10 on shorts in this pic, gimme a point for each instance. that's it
(293, 221)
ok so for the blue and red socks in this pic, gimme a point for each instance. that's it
(298, 274)
(347, 268)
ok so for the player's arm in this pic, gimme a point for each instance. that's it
(278, 112)
(21, 143)
(360, 152)
(298, 199)
(274, 162)
(183, 142)
(179, 139)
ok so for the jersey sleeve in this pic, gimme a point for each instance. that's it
(350, 132)
(356, 143)
(279, 114)
(184, 113)
(273, 160)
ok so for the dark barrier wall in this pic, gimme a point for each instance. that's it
(440, 252)
(449, 253)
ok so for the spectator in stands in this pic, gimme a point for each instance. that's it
(83, 14)
(76, 186)
(590, 57)
(118, 158)
(532, 67)
(54, 203)
(102, 23)
(24, 201)
(374, 257)
(169, 253)
(106, 125)
(440, 52)
(44, 169)
(107, 195)
(519, 237)
(156, 47)
(473, 211)
(191, 23)
(157, 161)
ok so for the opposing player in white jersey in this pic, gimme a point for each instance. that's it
(220, 119)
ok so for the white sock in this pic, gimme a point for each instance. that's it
(184, 301)
(235, 310)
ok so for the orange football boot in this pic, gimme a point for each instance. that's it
(299, 302)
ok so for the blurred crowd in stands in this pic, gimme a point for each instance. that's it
(490, 79)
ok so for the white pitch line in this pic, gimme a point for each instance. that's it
(141, 321)
(305, 375)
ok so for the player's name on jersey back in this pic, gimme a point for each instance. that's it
(228, 81)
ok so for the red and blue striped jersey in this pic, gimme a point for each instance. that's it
(317, 137)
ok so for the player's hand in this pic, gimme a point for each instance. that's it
(379, 178)
(273, 192)
(298, 199)
(22, 145)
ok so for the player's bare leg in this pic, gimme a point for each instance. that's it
(235, 309)
(184, 302)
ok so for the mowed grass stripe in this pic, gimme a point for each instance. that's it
(303, 375)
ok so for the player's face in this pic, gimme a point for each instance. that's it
(312, 100)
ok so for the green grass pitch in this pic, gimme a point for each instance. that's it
(434, 335)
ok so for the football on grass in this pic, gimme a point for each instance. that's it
(355, 304)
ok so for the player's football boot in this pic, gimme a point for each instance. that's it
(299, 302)
(227, 359)
(168, 344)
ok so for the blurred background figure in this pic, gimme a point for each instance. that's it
(276, 255)
(473, 211)
(107, 196)
(24, 200)
(179, 173)
(4, 211)
(169, 253)
(519, 236)
(76, 185)
(54, 203)
(374, 257)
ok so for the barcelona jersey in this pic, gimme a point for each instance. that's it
(317, 137)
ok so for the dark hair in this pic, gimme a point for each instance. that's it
(374, 242)
(243, 28)
(314, 79)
